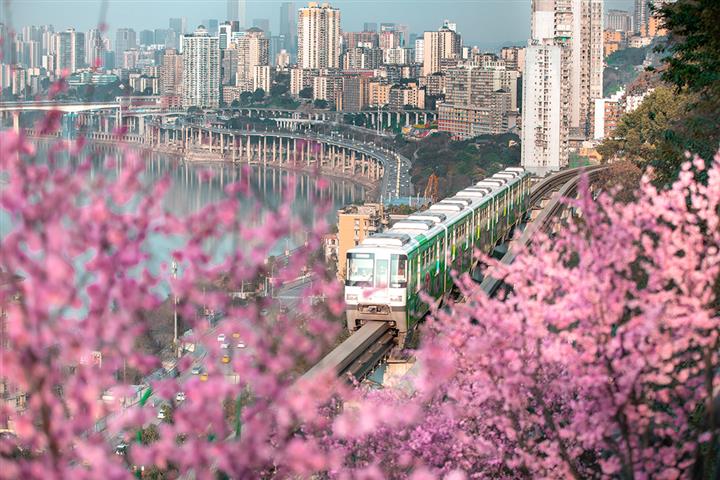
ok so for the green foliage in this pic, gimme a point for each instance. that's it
(306, 92)
(684, 118)
(258, 95)
(460, 163)
(320, 103)
(646, 135)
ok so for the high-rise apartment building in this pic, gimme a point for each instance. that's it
(237, 12)
(225, 35)
(619, 21)
(318, 36)
(641, 16)
(439, 46)
(96, 44)
(125, 39)
(545, 122)
(253, 51)
(171, 74)
(70, 51)
(201, 70)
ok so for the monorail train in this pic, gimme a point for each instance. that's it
(387, 271)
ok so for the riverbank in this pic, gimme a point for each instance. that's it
(205, 158)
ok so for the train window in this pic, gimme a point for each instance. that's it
(360, 269)
(381, 273)
(398, 271)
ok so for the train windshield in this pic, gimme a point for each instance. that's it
(360, 269)
(398, 271)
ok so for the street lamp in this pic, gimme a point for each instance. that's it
(174, 270)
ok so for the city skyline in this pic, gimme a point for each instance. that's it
(486, 23)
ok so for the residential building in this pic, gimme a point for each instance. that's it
(225, 35)
(642, 14)
(70, 51)
(355, 223)
(419, 50)
(406, 95)
(171, 76)
(318, 36)
(96, 44)
(514, 58)
(397, 56)
(262, 77)
(608, 112)
(125, 39)
(354, 93)
(253, 50)
(614, 40)
(360, 39)
(378, 92)
(619, 20)
(201, 70)
(444, 44)
(545, 119)
(230, 64)
(362, 58)
(328, 87)
(301, 78)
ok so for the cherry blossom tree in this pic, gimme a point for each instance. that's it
(82, 292)
(602, 361)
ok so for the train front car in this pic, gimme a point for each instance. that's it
(376, 282)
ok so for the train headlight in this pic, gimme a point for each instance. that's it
(351, 297)
(396, 299)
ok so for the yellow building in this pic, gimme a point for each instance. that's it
(355, 223)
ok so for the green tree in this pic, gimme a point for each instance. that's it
(235, 103)
(306, 92)
(246, 98)
(645, 136)
(258, 95)
(320, 103)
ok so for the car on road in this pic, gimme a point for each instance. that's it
(180, 397)
(121, 449)
(161, 414)
(225, 346)
(226, 358)
(196, 370)
(221, 338)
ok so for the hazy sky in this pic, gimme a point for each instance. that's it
(487, 23)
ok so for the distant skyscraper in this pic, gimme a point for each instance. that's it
(201, 70)
(147, 37)
(288, 26)
(178, 25)
(125, 39)
(212, 26)
(70, 51)
(318, 36)
(161, 35)
(236, 11)
(263, 24)
(370, 27)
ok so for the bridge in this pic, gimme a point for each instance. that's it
(360, 354)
